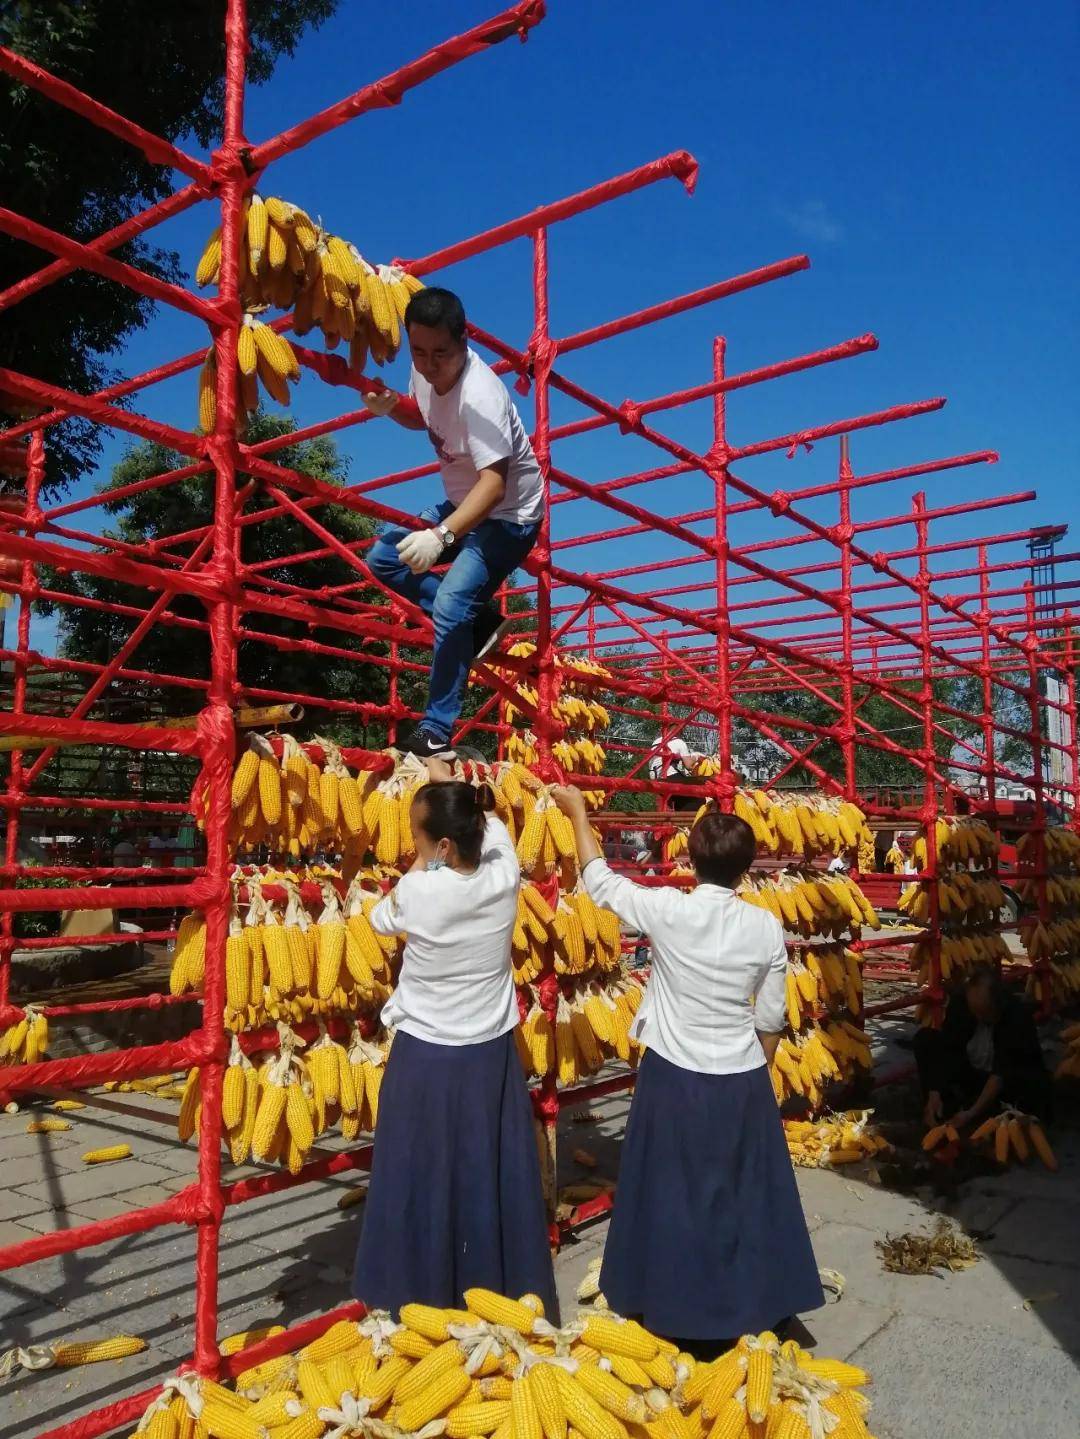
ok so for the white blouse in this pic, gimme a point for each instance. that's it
(718, 971)
(456, 984)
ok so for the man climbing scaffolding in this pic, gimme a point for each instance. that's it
(487, 524)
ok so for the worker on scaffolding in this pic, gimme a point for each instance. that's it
(483, 529)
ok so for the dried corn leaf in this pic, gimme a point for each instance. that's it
(945, 1247)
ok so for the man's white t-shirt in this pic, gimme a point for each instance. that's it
(669, 758)
(474, 425)
(456, 984)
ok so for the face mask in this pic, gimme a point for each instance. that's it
(435, 864)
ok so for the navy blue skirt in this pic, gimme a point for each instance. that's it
(707, 1238)
(455, 1199)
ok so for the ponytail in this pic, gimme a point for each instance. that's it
(457, 812)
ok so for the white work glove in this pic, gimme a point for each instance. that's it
(420, 550)
(381, 402)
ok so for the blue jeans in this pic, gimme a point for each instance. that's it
(479, 564)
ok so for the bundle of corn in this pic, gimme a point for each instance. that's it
(810, 903)
(287, 260)
(822, 977)
(499, 1367)
(592, 1025)
(804, 827)
(1012, 1133)
(546, 841)
(1061, 847)
(806, 1064)
(1052, 936)
(968, 897)
(1069, 1065)
(585, 937)
(27, 1040)
(535, 1039)
(959, 840)
(532, 933)
(676, 846)
(958, 952)
(834, 1140)
(189, 956)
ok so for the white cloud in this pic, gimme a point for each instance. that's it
(811, 219)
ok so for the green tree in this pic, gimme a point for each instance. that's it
(160, 65)
(96, 635)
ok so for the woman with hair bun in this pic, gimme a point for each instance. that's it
(455, 1200)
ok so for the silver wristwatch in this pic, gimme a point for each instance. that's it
(446, 535)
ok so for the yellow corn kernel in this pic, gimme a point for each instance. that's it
(759, 1375)
(484, 1418)
(103, 1156)
(620, 1337)
(434, 1399)
(497, 1309)
(93, 1351)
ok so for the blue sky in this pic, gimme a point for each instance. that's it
(925, 157)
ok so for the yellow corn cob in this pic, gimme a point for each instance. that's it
(582, 1411)
(103, 1156)
(549, 1406)
(340, 1338)
(384, 1381)
(206, 272)
(269, 778)
(497, 1309)
(432, 1323)
(759, 1373)
(232, 1096)
(730, 1422)
(409, 1343)
(848, 1376)
(483, 1418)
(298, 1117)
(66, 1105)
(223, 1421)
(313, 1386)
(244, 778)
(189, 1105)
(331, 952)
(444, 1391)
(615, 1337)
(240, 1137)
(267, 1118)
(524, 1419)
(612, 1394)
(234, 1343)
(66, 1356)
(237, 971)
(725, 1377)
(449, 1355)
(352, 809)
(47, 1126)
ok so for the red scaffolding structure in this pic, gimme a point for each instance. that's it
(714, 635)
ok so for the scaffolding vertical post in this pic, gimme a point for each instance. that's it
(16, 793)
(216, 721)
(844, 534)
(1044, 968)
(725, 779)
(935, 994)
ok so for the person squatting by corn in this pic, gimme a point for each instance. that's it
(455, 1200)
(487, 524)
(707, 1238)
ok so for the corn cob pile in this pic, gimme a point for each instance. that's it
(959, 839)
(499, 1368)
(27, 1040)
(837, 1139)
(288, 261)
(959, 951)
(579, 750)
(1057, 938)
(1008, 1134)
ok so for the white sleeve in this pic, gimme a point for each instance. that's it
(770, 1004)
(633, 903)
(389, 915)
(487, 425)
(499, 847)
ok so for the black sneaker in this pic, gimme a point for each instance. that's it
(426, 745)
(488, 629)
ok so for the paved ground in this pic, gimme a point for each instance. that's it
(988, 1352)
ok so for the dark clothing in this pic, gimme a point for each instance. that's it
(707, 1236)
(1017, 1059)
(455, 1199)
